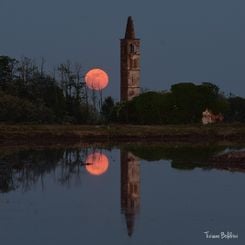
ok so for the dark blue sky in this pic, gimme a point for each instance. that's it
(182, 40)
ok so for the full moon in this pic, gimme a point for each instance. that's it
(96, 79)
(97, 163)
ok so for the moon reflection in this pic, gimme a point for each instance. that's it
(97, 163)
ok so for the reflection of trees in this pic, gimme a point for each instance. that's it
(70, 164)
(185, 157)
(155, 152)
(6, 178)
(24, 168)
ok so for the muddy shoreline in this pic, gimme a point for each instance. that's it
(15, 135)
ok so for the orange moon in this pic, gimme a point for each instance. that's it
(98, 163)
(96, 79)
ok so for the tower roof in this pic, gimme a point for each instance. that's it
(130, 34)
(130, 223)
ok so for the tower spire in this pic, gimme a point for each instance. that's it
(130, 34)
(130, 63)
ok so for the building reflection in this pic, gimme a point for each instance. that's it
(130, 188)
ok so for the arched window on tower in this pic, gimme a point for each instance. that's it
(132, 80)
(132, 48)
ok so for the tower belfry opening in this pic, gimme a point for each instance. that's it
(130, 63)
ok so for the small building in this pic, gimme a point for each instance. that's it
(209, 117)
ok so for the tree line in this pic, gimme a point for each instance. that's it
(183, 104)
(29, 94)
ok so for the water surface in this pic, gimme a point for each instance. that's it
(131, 194)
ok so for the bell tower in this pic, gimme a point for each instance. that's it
(130, 63)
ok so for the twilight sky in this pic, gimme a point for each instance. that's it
(181, 40)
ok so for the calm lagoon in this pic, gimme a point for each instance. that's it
(128, 194)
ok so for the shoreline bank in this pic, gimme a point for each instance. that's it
(65, 134)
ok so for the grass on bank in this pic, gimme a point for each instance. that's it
(86, 131)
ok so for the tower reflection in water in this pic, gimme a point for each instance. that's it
(130, 188)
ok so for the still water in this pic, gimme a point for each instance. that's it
(132, 194)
